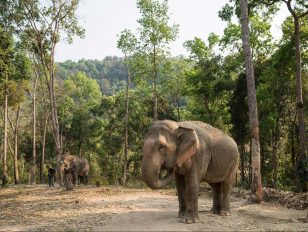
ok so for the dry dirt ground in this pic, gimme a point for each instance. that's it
(39, 208)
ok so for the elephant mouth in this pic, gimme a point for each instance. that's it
(157, 177)
(165, 172)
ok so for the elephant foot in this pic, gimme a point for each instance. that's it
(224, 212)
(69, 188)
(181, 214)
(189, 219)
(215, 210)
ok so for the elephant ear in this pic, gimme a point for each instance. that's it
(188, 144)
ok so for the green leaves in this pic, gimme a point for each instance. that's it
(197, 48)
(80, 97)
(127, 42)
(83, 90)
(154, 29)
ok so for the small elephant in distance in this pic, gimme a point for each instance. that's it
(75, 168)
(192, 152)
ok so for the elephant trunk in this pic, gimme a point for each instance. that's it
(151, 173)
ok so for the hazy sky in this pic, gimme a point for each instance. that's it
(104, 19)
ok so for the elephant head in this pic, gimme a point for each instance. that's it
(166, 146)
(68, 161)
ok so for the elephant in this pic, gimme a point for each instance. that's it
(75, 168)
(191, 152)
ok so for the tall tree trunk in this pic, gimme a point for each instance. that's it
(262, 154)
(50, 81)
(300, 109)
(33, 166)
(5, 176)
(16, 172)
(155, 95)
(242, 150)
(126, 123)
(15, 151)
(43, 149)
(256, 185)
(274, 157)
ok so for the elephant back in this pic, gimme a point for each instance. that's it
(83, 165)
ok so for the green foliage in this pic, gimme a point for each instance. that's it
(110, 72)
(81, 127)
(127, 42)
(154, 28)
(208, 85)
(203, 84)
(6, 52)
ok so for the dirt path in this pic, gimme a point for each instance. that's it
(38, 208)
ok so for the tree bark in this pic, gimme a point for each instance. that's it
(15, 151)
(5, 176)
(274, 157)
(155, 85)
(300, 107)
(43, 149)
(124, 181)
(33, 167)
(256, 185)
(50, 81)
(242, 151)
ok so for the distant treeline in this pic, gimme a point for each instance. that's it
(110, 72)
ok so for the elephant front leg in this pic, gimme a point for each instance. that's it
(67, 180)
(180, 187)
(191, 196)
(75, 178)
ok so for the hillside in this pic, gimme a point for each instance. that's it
(109, 73)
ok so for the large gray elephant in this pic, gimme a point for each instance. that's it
(75, 168)
(192, 152)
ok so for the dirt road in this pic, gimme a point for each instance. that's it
(38, 208)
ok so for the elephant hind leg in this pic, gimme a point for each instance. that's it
(226, 187)
(217, 197)
(225, 203)
(85, 179)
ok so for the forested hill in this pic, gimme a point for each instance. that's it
(110, 72)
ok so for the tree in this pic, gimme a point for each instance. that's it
(33, 97)
(43, 24)
(155, 35)
(79, 97)
(16, 87)
(256, 185)
(205, 80)
(298, 10)
(127, 44)
(175, 86)
(6, 57)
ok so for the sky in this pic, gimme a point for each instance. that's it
(103, 20)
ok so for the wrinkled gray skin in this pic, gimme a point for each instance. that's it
(75, 168)
(192, 152)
